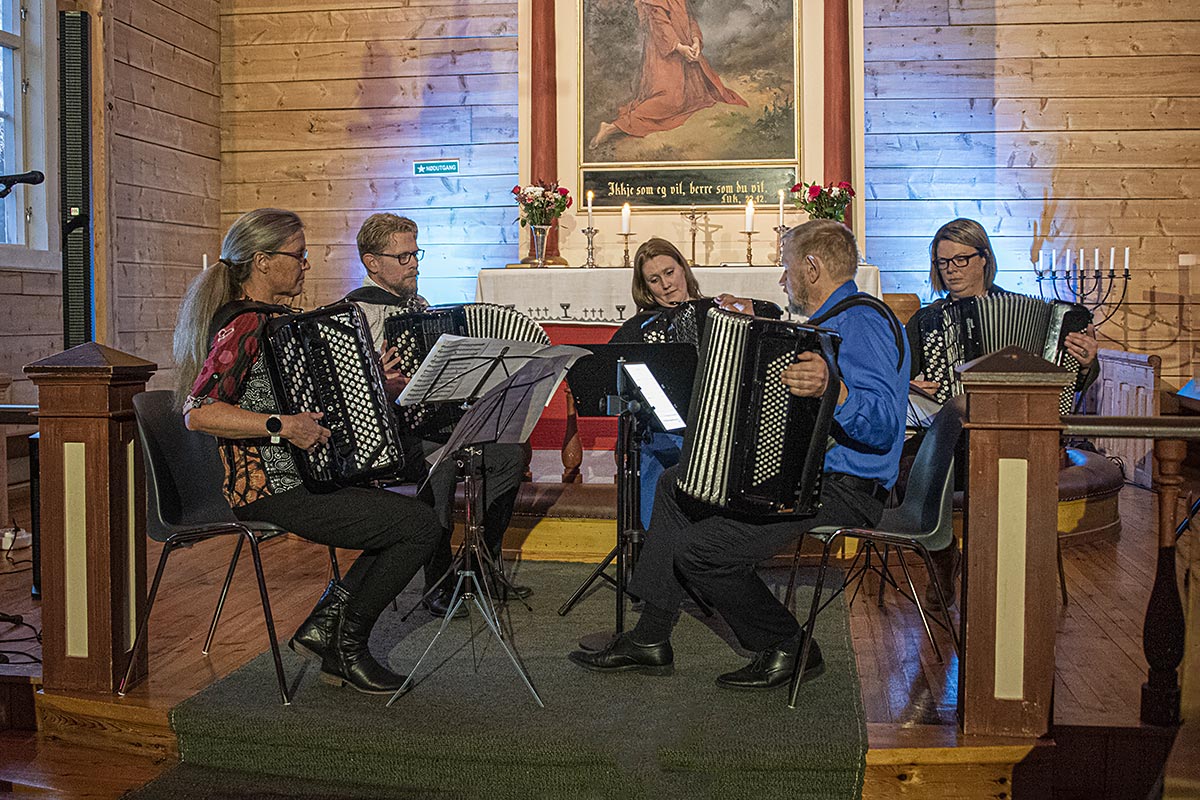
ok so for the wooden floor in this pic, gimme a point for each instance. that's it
(906, 692)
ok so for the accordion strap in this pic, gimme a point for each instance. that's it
(862, 299)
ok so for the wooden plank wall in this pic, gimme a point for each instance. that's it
(326, 104)
(1054, 123)
(166, 165)
(30, 326)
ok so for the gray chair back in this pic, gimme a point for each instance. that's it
(184, 474)
(928, 506)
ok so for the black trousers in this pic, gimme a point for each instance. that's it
(394, 533)
(503, 465)
(718, 557)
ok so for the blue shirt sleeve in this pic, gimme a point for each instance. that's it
(869, 418)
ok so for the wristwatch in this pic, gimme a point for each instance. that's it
(274, 426)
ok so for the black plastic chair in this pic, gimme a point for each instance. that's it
(185, 505)
(923, 522)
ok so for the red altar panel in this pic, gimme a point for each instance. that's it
(595, 433)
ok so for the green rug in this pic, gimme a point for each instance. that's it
(468, 731)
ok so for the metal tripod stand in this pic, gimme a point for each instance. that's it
(472, 586)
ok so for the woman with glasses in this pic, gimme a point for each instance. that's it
(222, 377)
(962, 264)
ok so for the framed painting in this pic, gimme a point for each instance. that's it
(688, 102)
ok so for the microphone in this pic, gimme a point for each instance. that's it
(33, 177)
(7, 182)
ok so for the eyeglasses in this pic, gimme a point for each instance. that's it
(959, 262)
(301, 256)
(403, 258)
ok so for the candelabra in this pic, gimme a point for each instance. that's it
(780, 230)
(626, 236)
(1079, 286)
(693, 217)
(590, 233)
(749, 247)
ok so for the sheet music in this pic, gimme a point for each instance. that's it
(660, 404)
(460, 368)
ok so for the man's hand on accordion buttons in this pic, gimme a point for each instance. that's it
(303, 430)
(1083, 346)
(928, 387)
(394, 380)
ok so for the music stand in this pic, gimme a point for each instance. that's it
(506, 414)
(602, 387)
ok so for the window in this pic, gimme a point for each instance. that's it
(29, 132)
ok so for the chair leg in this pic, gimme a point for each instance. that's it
(937, 652)
(212, 628)
(141, 631)
(791, 587)
(333, 563)
(943, 601)
(883, 559)
(1062, 576)
(810, 627)
(270, 620)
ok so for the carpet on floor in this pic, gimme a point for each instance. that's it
(471, 729)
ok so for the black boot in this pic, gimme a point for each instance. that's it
(314, 634)
(348, 661)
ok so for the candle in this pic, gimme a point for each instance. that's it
(1126, 262)
(1053, 258)
(590, 195)
(1081, 266)
(749, 215)
(204, 259)
(781, 208)
(1112, 261)
(626, 212)
(1096, 262)
(1067, 264)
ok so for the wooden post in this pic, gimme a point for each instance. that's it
(1010, 533)
(543, 112)
(93, 515)
(5, 383)
(1163, 630)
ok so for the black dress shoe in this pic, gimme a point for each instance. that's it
(438, 604)
(624, 655)
(771, 668)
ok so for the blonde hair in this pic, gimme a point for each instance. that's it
(653, 248)
(377, 229)
(968, 233)
(257, 231)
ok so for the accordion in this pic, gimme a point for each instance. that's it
(413, 334)
(323, 361)
(752, 448)
(972, 327)
(684, 322)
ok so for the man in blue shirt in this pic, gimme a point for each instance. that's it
(718, 556)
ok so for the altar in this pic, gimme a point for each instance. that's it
(586, 306)
(602, 296)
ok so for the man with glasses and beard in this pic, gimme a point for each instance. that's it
(387, 247)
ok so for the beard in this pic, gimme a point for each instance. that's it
(797, 299)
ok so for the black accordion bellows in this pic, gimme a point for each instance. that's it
(414, 333)
(972, 327)
(752, 448)
(322, 360)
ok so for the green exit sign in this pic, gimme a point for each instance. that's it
(448, 166)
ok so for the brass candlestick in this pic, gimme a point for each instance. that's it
(749, 247)
(780, 230)
(590, 233)
(625, 236)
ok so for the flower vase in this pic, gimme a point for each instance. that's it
(539, 234)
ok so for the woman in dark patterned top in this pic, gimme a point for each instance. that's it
(962, 264)
(222, 375)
